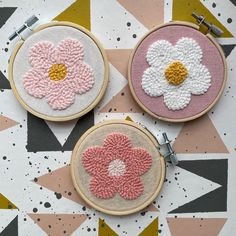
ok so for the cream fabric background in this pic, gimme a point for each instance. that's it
(150, 179)
(92, 56)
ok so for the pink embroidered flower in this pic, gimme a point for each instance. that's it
(58, 72)
(116, 167)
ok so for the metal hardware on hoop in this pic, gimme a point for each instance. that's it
(170, 155)
(211, 27)
(28, 23)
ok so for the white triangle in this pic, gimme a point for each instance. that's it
(35, 7)
(221, 116)
(62, 129)
(116, 83)
(109, 27)
(186, 188)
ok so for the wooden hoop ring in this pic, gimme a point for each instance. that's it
(57, 118)
(73, 164)
(212, 39)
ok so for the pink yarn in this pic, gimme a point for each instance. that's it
(79, 77)
(116, 167)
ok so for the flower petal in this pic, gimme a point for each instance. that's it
(103, 186)
(131, 188)
(117, 146)
(95, 160)
(154, 82)
(42, 54)
(139, 161)
(59, 96)
(81, 78)
(188, 51)
(199, 79)
(36, 83)
(177, 98)
(160, 53)
(117, 141)
(70, 52)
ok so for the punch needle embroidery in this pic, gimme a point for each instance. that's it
(58, 72)
(116, 167)
(175, 72)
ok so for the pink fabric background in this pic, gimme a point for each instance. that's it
(211, 59)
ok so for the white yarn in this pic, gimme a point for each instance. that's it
(159, 55)
(116, 167)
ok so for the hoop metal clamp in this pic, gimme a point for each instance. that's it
(27, 24)
(211, 27)
(170, 155)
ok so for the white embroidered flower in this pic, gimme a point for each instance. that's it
(175, 72)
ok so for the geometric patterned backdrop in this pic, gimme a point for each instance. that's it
(36, 192)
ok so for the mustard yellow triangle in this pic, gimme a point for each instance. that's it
(151, 229)
(5, 203)
(105, 230)
(128, 118)
(182, 10)
(78, 13)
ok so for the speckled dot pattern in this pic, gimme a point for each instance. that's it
(198, 196)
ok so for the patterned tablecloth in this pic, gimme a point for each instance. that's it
(36, 192)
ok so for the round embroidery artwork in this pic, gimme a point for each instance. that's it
(117, 167)
(176, 72)
(59, 71)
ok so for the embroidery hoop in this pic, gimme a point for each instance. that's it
(76, 114)
(74, 163)
(183, 119)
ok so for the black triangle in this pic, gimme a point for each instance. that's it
(82, 125)
(228, 49)
(11, 229)
(234, 2)
(216, 200)
(214, 170)
(5, 13)
(4, 83)
(40, 136)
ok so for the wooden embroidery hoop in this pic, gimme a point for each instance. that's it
(74, 158)
(69, 117)
(211, 38)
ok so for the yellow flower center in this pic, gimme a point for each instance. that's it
(57, 72)
(176, 73)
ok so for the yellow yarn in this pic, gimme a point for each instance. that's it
(57, 72)
(176, 73)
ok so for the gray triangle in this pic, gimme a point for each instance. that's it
(4, 83)
(234, 2)
(214, 201)
(83, 124)
(5, 14)
(11, 229)
(228, 49)
(40, 137)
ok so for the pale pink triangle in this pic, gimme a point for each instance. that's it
(122, 102)
(119, 58)
(195, 226)
(60, 181)
(149, 12)
(58, 224)
(6, 123)
(199, 136)
(151, 208)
